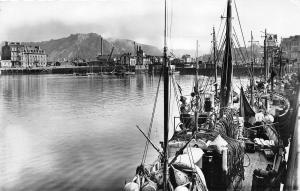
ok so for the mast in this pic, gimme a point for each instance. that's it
(196, 90)
(266, 64)
(265, 56)
(280, 62)
(227, 69)
(215, 61)
(252, 71)
(166, 104)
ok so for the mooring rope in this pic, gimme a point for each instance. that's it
(152, 118)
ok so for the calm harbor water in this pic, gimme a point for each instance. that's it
(60, 132)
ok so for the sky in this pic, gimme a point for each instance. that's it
(143, 20)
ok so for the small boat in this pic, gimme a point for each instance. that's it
(91, 74)
(129, 73)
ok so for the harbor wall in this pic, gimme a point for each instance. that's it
(59, 70)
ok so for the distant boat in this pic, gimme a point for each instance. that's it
(129, 73)
(91, 74)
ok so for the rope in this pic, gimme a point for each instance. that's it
(234, 51)
(240, 26)
(175, 92)
(151, 121)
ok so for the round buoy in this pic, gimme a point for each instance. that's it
(181, 188)
(131, 186)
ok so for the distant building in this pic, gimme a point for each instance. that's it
(6, 64)
(139, 56)
(187, 58)
(33, 56)
(291, 48)
(22, 55)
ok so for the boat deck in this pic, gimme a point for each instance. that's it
(257, 160)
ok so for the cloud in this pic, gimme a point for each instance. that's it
(142, 20)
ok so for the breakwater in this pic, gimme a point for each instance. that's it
(209, 71)
(154, 69)
(59, 70)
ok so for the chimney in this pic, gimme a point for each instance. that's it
(101, 46)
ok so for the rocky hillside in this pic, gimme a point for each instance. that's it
(87, 46)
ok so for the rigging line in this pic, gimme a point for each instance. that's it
(221, 21)
(235, 55)
(243, 58)
(206, 81)
(238, 44)
(211, 71)
(220, 52)
(240, 26)
(152, 118)
(248, 70)
(222, 37)
(175, 92)
(170, 27)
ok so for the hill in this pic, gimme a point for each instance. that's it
(88, 46)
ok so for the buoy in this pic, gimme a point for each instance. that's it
(181, 188)
(131, 186)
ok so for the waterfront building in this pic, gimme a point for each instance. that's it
(6, 64)
(187, 58)
(127, 59)
(22, 55)
(33, 57)
(291, 48)
(142, 60)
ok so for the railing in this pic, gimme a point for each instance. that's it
(177, 120)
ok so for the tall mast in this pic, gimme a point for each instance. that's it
(166, 104)
(215, 61)
(280, 62)
(266, 64)
(252, 71)
(265, 56)
(196, 90)
(227, 69)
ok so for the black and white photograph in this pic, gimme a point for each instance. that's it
(149, 95)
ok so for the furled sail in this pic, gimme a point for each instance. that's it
(227, 68)
(245, 108)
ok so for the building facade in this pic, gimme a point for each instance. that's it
(6, 64)
(291, 48)
(25, 56)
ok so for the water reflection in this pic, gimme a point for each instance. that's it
(72, 133)
(62, 132)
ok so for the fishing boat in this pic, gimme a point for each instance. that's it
(264, 99)
(171, 171)
(223, 152)
(264, 145)
(228, 138)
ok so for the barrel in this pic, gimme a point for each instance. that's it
(258, 183)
